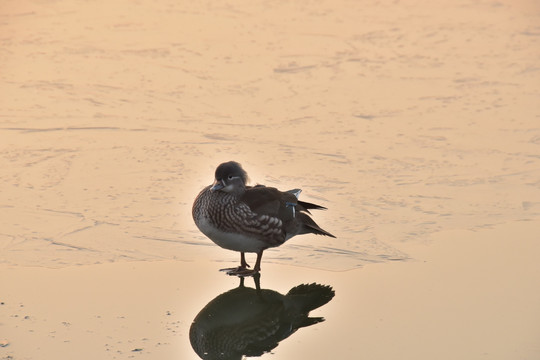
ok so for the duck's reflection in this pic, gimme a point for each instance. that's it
(251, 322)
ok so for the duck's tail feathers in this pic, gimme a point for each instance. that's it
(309, 226)
(305, 206)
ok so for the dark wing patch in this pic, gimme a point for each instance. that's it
(261, 225)
(270, 201)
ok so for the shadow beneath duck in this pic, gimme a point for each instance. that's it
(250, 322)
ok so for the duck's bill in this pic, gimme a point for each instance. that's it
(217, 185)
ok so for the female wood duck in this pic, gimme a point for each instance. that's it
(250, 218)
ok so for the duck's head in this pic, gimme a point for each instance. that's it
(230, 177)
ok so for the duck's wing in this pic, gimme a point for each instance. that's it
(284, 206)
(270, 201)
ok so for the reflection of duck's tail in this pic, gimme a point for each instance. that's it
(309, 321)
(308, 297)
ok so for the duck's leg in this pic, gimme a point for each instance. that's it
(243, 266)
(243, 263)
(257, 267)
(248, 272)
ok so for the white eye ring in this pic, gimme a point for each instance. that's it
(230, 177)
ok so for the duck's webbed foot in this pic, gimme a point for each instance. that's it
(243, 270)
(239, 271)
(234, 269)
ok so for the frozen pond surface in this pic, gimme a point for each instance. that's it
(415, 123)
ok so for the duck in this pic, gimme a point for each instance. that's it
(250, 219)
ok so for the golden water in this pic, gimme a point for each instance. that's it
(410, 121)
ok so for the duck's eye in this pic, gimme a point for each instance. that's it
(230, 177)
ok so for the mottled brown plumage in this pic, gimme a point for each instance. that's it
(250, 219)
